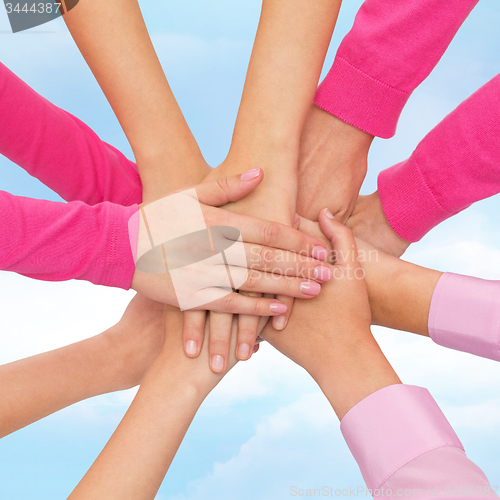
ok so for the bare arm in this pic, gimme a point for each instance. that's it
(117, 359)
(114, 41)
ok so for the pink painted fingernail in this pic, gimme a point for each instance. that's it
(250, 174)
(329, 214)
(310, 288)
(279, 322)
(217, 363)
(296, 219)
(323, 273)
(191, 348)
(278, 307)
(320, 253)
(243, 351)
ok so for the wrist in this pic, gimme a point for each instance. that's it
(356, 370)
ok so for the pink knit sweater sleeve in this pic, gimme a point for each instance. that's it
(391, 49)
(455, 165)
(465, 315)
(403, 443)
(55, 241)
(60, 150)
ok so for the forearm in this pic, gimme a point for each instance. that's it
(138, 455)
(400, 292)
(288, 54)
(136, 458)
(114, 41)
(348, 369)
(36, 387)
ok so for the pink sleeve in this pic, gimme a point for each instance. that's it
(391, 49)
(54, 241)
(465, 315)
(60, 150)
(455, 165)
(401, 441)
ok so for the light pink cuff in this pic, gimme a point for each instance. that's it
(465, 315)
(393, 426)
(361, 100)
(408, 204)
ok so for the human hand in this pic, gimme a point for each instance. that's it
(340, 352)
(332, 165)
(262, 234)
(368, 222)
(273, 201)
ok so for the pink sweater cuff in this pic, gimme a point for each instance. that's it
(115, 266)
(360, 100)
(392, 427)
(408, 203)
(465, 315)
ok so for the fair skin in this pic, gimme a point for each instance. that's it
(132, 79)
(287, 57)
(399, 294)
(264, 237)
(340, 354)
(332, 165)
(369, 223)
(165, 150)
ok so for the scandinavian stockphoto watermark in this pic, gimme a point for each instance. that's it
(170, 236)
(363, 491)
(27, 14)
(204, 263)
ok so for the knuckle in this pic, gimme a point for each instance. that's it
(246, 334)
(229, 302)
(271, 233)
(253, 278)
(265, 256)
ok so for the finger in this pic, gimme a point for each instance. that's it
(256, 347)
(280, 322)
(296, 222)
(237, 303)
(282, 262)
(260, 282)
(267, 233)
(193, 332)
(247, 332)
(343, 243)
(219, 340)
(227, 189)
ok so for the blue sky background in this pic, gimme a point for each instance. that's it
(266, 427)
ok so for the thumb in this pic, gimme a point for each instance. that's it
(343, 243)
(227, 189)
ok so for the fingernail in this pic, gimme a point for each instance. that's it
(320, 253)
(243, 351)
(323, 273)
(255, 348)
(191, 348)
(279, 322)
(250, 174)
(310, 288)
(296, 219)
(329, 214)
(278, 307)
(217, 363)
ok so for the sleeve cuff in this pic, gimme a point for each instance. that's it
(392, 427)
(360, 100)
(408, 204)
(465, 315)
(114, 263)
